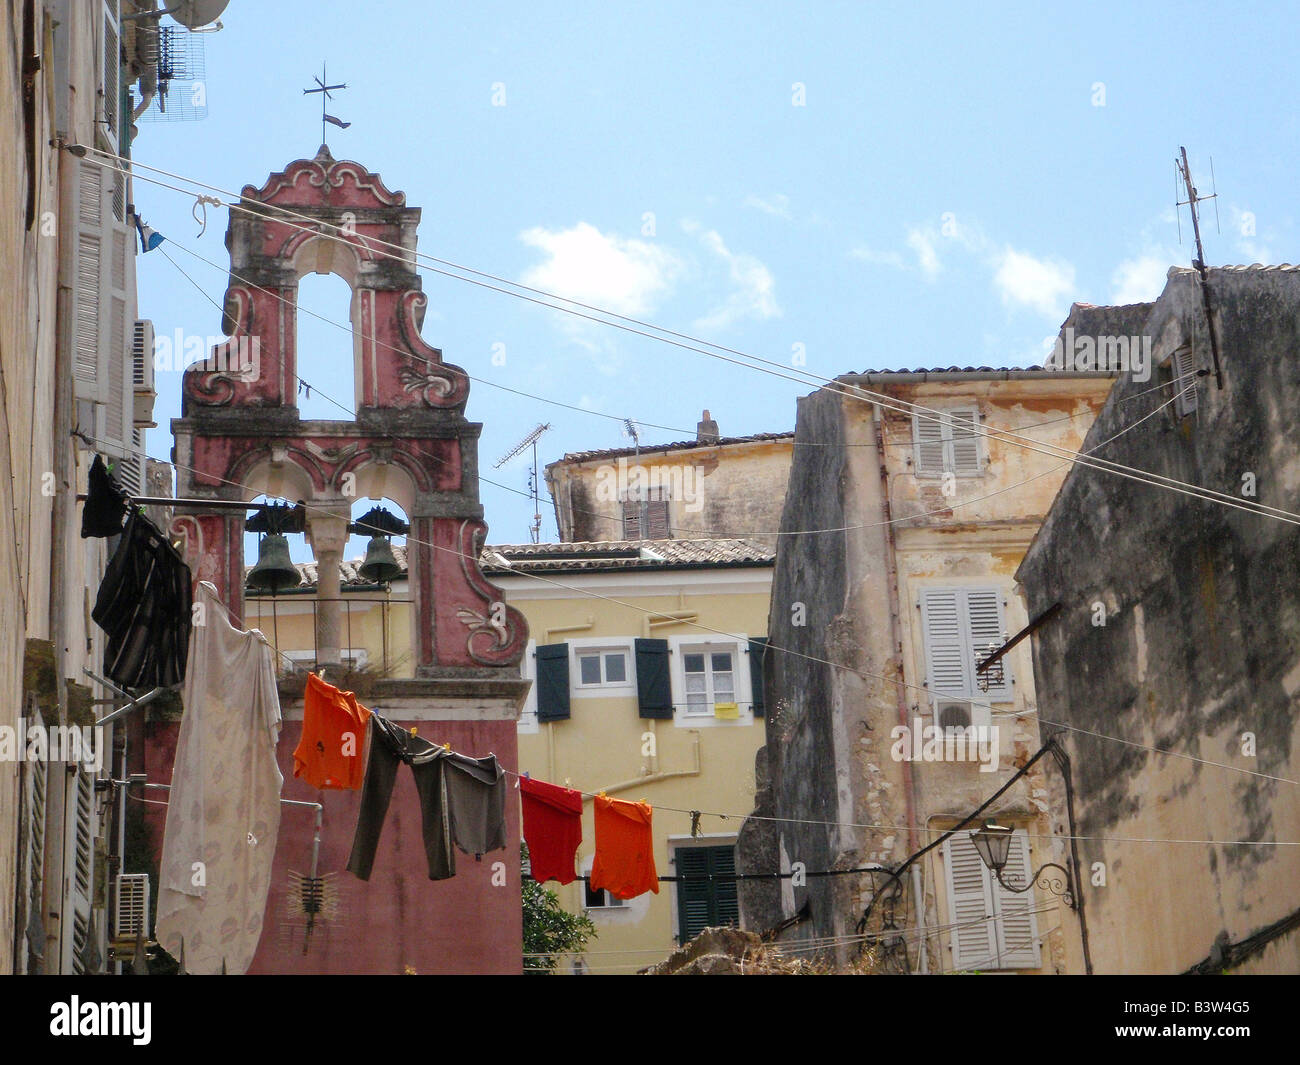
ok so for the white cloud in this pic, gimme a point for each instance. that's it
(625, 276)
(922, 242)
(753, 289)
(1249, 243)
(1139, 280)
(1042, 285)
(777, 204)
(881, 258)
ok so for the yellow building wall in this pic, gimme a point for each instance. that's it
(605, 743)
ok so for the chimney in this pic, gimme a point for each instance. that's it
(706, 432)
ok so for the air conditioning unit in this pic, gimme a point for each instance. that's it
(132, 905)
(142, 374)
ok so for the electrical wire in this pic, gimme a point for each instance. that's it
(854, 391)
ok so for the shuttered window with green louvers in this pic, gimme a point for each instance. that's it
(709, 900)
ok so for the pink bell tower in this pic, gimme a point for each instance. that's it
(240, 435)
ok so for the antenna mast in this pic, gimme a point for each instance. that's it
(533, 487)
(1194, 198)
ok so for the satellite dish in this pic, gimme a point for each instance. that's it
(195, 13)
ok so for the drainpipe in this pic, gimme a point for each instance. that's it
(923, 953)
(670, 617)
(910, 797)
(636, 782)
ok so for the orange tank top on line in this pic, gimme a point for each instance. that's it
(331, 753)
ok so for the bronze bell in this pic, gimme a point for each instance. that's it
(380, 565)
(274, 571)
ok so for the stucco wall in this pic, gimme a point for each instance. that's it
(1201, 641)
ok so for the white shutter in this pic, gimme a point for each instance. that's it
(928, 436)
(110, 75)
(116, 354)
(964, 454)
(33, 857)
(987, 633)
(970, 905)
(1183, 365)
(79, 838)
(957, 626)
(87, 285)
(993, 928)
(942, 614)
(1017, 925)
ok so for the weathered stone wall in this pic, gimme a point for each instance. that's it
(801, 753)
(1200, 644)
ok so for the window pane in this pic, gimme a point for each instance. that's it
(615, 668)
(722, 663)
(694, 663)
(589, 669)
(695, 682)
(723, 689)
(697, 703)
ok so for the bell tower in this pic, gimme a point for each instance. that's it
(240, 435)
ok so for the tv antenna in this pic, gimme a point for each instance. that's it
(324, 90)
(533, 488)
(1194, 198)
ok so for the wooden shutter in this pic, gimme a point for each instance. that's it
(33, 857)
(692, 895)
(964, 447)
(757, 657)
(1183, 366)
(942, 611)
(87, 295)
(553, 682)
(1017, 926)
(710, 901)
(654, 688)
(657, 518)
(110, 83)
(927, 436)
(631, 519)
(986, 626)
(957, 626)
(79, 838)
(970, 905)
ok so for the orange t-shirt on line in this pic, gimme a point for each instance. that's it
(331, 751)
(624, 864)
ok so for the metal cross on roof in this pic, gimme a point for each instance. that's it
(324, 90)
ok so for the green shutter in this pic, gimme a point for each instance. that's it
(654, 689)
(757, 652)
(709, 901)
(553, 682)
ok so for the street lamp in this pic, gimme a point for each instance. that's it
(993, 842)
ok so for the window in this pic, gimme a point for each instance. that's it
(599, 899)
(602, 668)
(528, 671)
(1183, 380)
(961, 627)
(946, 443)
(647, 519)
(993, 928)
(707, 898)
(710, 679)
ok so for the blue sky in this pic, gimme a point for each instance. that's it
(876, 186)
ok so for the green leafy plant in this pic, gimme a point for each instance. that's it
(549, 930)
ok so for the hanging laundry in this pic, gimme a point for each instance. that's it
(331, 751)
(625, 861)
(552, 828)
(223, 814)
(144, 605)
(106, 503)
(462, 800)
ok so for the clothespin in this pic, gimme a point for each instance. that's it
(447, 747)
(413, 731)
